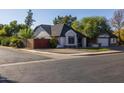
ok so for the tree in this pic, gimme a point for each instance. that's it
(2, 32)
(25, 33)
(118, 22)
(121, 34)
(12, 28)
(7, 30)
(92, 26)
(29, 19)
(64, 20)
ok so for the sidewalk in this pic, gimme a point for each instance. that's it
(67, 56)
(63, 56)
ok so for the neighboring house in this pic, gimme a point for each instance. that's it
(107, 40)
(103, 39)
(68, 37)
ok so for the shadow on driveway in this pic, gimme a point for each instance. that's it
(6, 80)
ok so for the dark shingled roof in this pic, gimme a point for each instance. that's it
(57, 30)
(60, 30)
(110, 34)
(45, 27)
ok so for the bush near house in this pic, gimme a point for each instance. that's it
(53, 42)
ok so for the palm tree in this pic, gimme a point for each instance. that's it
(25, 33)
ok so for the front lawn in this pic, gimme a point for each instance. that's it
(95, 49)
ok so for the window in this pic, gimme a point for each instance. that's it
(71, 39)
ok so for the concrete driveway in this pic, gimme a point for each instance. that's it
(61, 51)
(8, 55)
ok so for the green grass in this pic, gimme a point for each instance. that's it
(96, 49)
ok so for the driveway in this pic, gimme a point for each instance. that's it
(97, 69)
(61, 51)
(8, 55)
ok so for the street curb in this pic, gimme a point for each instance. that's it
(88, 54)
(94, 54)
(78, 54)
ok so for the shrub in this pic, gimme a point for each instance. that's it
(2, 32)
(5, 41)
(25, 33)
(53, 42)
(1, 38)
(16, 42)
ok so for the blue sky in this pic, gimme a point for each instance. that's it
(45, 16)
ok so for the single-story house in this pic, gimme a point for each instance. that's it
(68, 37)
(103, 40)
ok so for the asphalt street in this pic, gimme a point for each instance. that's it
(8, 55)
(92, 69)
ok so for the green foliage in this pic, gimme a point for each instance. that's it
(64, 20)
(12, 28)
(7, 30)
(5, 41)
(92, 26)
(1, 38)
(11, 41)
(25, 33)
(2, 32)
(121, 32)
(53, 42)
(16, 42)
(29, 19)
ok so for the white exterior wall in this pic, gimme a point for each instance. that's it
(61, 41)
(70, 33)
(103, 40)
(104, 35)
(41, 33)
(84, 42)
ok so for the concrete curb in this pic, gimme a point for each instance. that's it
(76, 54)
(94, 54)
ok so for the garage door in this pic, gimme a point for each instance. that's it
(103, 41)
